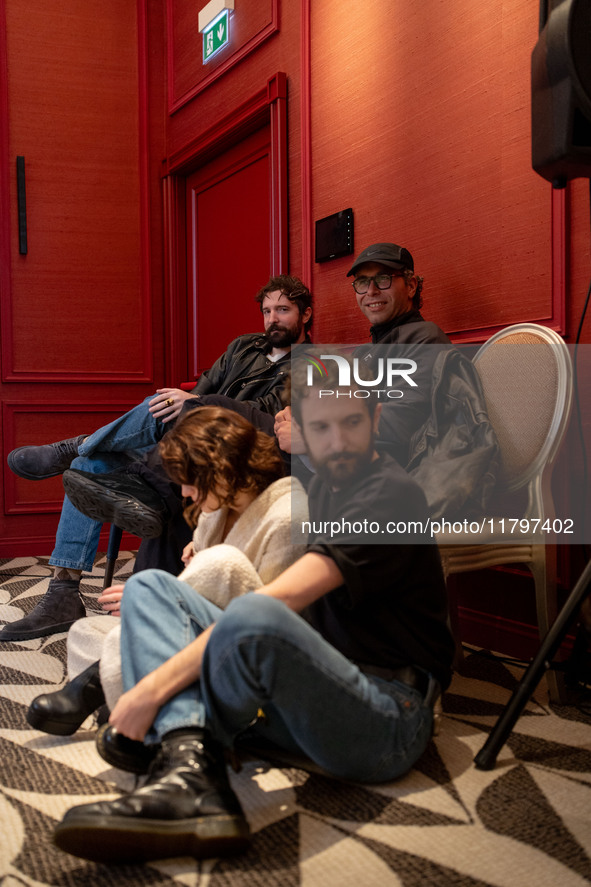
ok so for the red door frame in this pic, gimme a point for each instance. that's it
(267, 106)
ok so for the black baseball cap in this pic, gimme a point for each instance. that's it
(389, 254)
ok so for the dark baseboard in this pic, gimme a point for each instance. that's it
(42, 546)
(509, 637)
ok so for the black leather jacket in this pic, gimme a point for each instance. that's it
(244, 372)
(454, 457)
(453, 453)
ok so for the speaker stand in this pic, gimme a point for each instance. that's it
(542, 661)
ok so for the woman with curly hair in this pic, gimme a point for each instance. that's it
(241, 506)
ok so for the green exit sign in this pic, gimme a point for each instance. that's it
(216, 36)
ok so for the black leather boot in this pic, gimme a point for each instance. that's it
(58, 609)
(186, 808)
(62, 712)
(119, 497)
(123, 753)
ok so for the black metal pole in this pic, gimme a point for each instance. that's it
(487, 756)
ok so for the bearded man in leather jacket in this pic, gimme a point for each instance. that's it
(251, 373)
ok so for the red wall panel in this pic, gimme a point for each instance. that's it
(73, 89)
(425, 131)
(232, 88)
(79, 311)
(40, 422)
(229, 245)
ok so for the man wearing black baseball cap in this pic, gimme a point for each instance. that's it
(389, 294)
(440, 419)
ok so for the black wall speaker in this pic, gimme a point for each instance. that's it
(561, 92)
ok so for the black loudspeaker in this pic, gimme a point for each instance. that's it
(561, 92)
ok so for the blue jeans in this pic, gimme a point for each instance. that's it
(126, 439)
(262, 655)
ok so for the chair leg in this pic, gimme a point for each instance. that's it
(115, 537)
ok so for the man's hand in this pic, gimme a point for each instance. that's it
(287, 432)
(135, 711)
(168, 403)
(110, 599)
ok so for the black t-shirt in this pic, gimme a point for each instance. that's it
(392, 609)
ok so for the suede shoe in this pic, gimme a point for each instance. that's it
(58, 609)
(123, 753)
(38, 463)
(119, 498)
(62, 712)
(185, 808)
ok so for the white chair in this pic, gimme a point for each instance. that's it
(528, 392)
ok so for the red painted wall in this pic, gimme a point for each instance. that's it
(420, 122)
(82, 310)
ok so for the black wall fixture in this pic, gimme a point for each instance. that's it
(22, 205)
(561, 92)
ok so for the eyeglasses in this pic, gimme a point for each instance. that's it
(382, 281)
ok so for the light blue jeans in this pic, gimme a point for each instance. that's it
(126, 439)
(262, 655)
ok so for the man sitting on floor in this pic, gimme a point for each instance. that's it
(344, 652)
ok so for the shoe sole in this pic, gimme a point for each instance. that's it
(101, 504)
(54, 728)
(117, 839)
(37, 633)
(20, 473)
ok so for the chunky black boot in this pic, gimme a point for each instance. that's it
(58, 609)
(123, 753)
(119, 497)
(62, 712)
(37, 463)
(186, 808)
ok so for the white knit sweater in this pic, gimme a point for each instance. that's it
(256, 550)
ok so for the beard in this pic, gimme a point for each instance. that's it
(340, 469)
(283, 336)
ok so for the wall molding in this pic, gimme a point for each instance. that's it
(500, 635)
(266, 106)
(306, 139)
(20, 546)
(145, 373)
(15, 503)
(174, 103)
(7, 223)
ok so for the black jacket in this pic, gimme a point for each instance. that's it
(422, 341)
(454, 457)
(244, 372)
(453, 452)
(408, 328)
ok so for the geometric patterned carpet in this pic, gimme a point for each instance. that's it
(525, 824)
